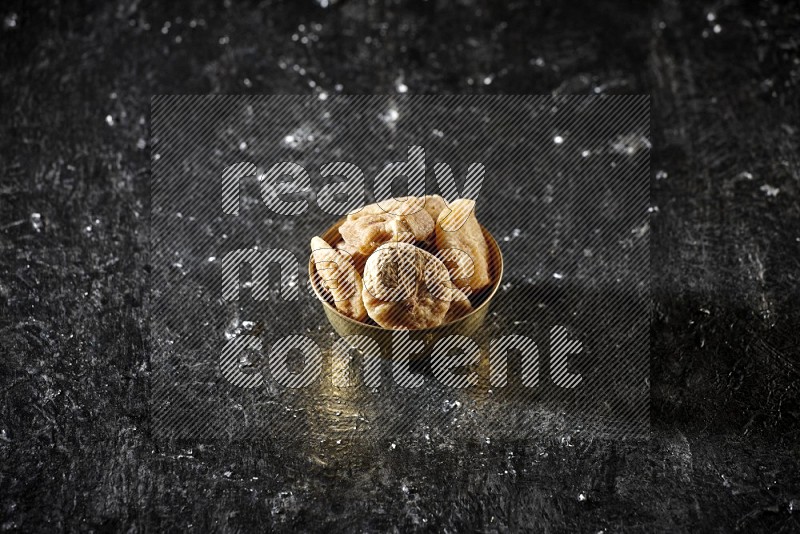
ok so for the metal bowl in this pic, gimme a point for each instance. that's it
(465, 326)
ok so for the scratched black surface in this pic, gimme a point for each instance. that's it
(581, 262)
(76, 450)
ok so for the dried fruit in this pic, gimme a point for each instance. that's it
(339, 278)
(366, 233)
(392, 206)
(406, 287)
(390, 220)
(358, 259)
(434, 205)
(370, 209)
(413, 262)
(459, 237)
(410, 222)
(459, 307)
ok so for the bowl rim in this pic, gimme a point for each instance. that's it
(498, 275)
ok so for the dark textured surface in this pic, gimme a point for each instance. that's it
(75, 447)
(581, 262)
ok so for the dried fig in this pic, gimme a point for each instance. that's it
(414, 220)
(389, 220)
(459, 236)
(434, 205)
(459, 307)
(337, 272)
(358, 258)
(405, 287)
(369, 209)
(366, 233)
(392, 206)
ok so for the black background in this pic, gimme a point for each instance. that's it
(573, 229)
(75, 443)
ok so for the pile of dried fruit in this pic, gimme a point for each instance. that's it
(407, 263)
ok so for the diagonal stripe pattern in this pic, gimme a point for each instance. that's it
(241, 347)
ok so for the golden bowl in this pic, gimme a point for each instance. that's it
(464, 326)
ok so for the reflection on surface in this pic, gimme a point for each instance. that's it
(359, 394)
(375, 390)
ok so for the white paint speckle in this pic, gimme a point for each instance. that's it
(769, 190)
(10, 21)
(390, 116)
(36, 221)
